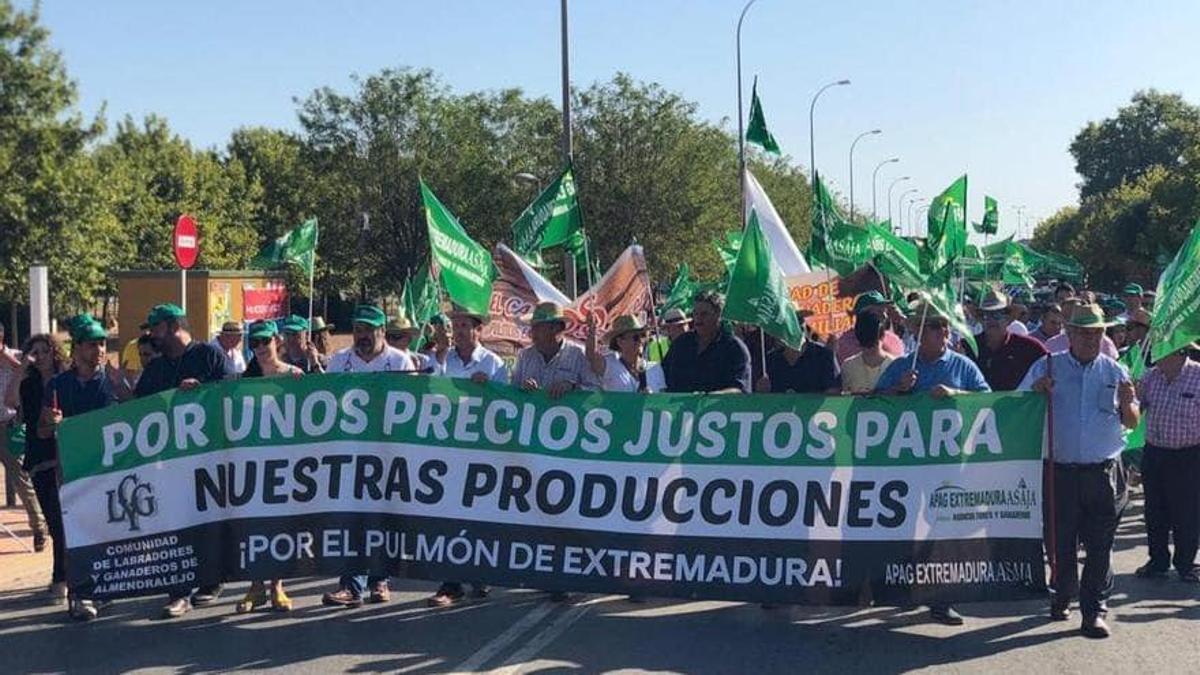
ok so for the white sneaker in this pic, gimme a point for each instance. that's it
(58, 593)
(83, 610)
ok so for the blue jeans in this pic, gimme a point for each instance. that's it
(358, 583)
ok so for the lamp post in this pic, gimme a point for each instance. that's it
(1019, 209)
(568, 259)
(874, 175)
(901, 179)
(900, 204)
(812, 148)
(741, 118)
(912, 224)
(858, 138)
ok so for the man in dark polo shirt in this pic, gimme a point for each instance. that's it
(1004, 357)
(709, 358)
(812, 369)
(185, 364)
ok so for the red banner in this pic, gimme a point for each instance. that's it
(259, 304)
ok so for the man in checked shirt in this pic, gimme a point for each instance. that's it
(1170, 396)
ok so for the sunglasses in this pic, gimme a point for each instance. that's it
(255, 343)
(394, 336)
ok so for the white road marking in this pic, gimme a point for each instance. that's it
(520, 658)
(506, 638)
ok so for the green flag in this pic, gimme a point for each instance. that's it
(728, 247)
(836, 243)
(757, 294)
(1176, 319)
(756, 131)
(683, 289)
(465, 268)
(552, 219)
(941, 295)
(421, 296)
(297, 246)
(947, 237)
(991, 217)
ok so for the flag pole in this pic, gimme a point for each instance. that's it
(312, 269)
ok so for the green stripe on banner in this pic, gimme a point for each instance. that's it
(763, 430)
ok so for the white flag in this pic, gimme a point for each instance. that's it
(791, 261)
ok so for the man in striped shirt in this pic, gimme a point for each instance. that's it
(1170, 394)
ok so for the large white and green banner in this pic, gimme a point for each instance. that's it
(800, 499)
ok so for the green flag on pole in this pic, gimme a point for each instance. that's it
(297, 246)
(756, 130)
(947, 238)
(1176, 320)
(550, 220)
(836, 243)
(465, 268)
(756, 292)
(991, 217)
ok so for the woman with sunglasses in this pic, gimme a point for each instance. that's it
(266, 344)
(624, 368)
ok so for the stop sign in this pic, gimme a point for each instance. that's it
(186, 242)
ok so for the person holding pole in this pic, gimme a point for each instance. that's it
(1090, 399)
(941, 372)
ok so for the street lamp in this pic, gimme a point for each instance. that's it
(900, 204)
(912, 224)
(812, 148)
(889, 195)
(858, 138)
(874, 175)
(741, 118)
(1020, 209)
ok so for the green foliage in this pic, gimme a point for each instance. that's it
(1140, 191)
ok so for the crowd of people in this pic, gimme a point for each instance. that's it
(1077, 351)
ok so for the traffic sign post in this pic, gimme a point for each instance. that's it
(186, 243)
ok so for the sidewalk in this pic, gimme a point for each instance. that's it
(20, 570)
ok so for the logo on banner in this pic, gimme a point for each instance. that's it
(955, 503)
(130, 502)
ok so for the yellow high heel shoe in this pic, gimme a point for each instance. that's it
(256, 597)
(280, 602)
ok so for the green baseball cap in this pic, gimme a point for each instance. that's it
(260, 330)
(295, 324)
(86, 329)
(370, 315)
(1133, 289)
(869, 299)
(165, 312)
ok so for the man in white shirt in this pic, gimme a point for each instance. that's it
(468, 359)
(229, 341)
(552, 364)
(369, 354)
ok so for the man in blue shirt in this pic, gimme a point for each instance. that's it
(941, 372)
(1092, 398)
(85, 387)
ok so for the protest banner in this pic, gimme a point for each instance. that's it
(816, 295)
(795, 499)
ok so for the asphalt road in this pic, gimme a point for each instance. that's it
(520, 631)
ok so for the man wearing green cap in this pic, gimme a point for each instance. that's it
(185, 364)
(82, 388)
(1132, 296)
(369, 354)
(847, 344)
(552, 364)
(1093, 401)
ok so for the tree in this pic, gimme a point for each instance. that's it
(45, 201)
(1156, 129)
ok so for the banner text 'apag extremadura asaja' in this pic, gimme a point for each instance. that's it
(805, 499)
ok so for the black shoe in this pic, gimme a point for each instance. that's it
(1148, 572)
(1190, 576)
(1095, 628)
(1060, 611)
(39, 542)
(207, 595)
(947, 616)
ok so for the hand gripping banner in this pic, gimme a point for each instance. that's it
(780, 498)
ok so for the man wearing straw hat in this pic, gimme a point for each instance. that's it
(674, 323)
(399, 334)
(1004, 356)
(552, 364)
(941, 372)
(229, 341)
(319, 336)
(1091, 399)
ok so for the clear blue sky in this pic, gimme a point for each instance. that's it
(993, 89)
